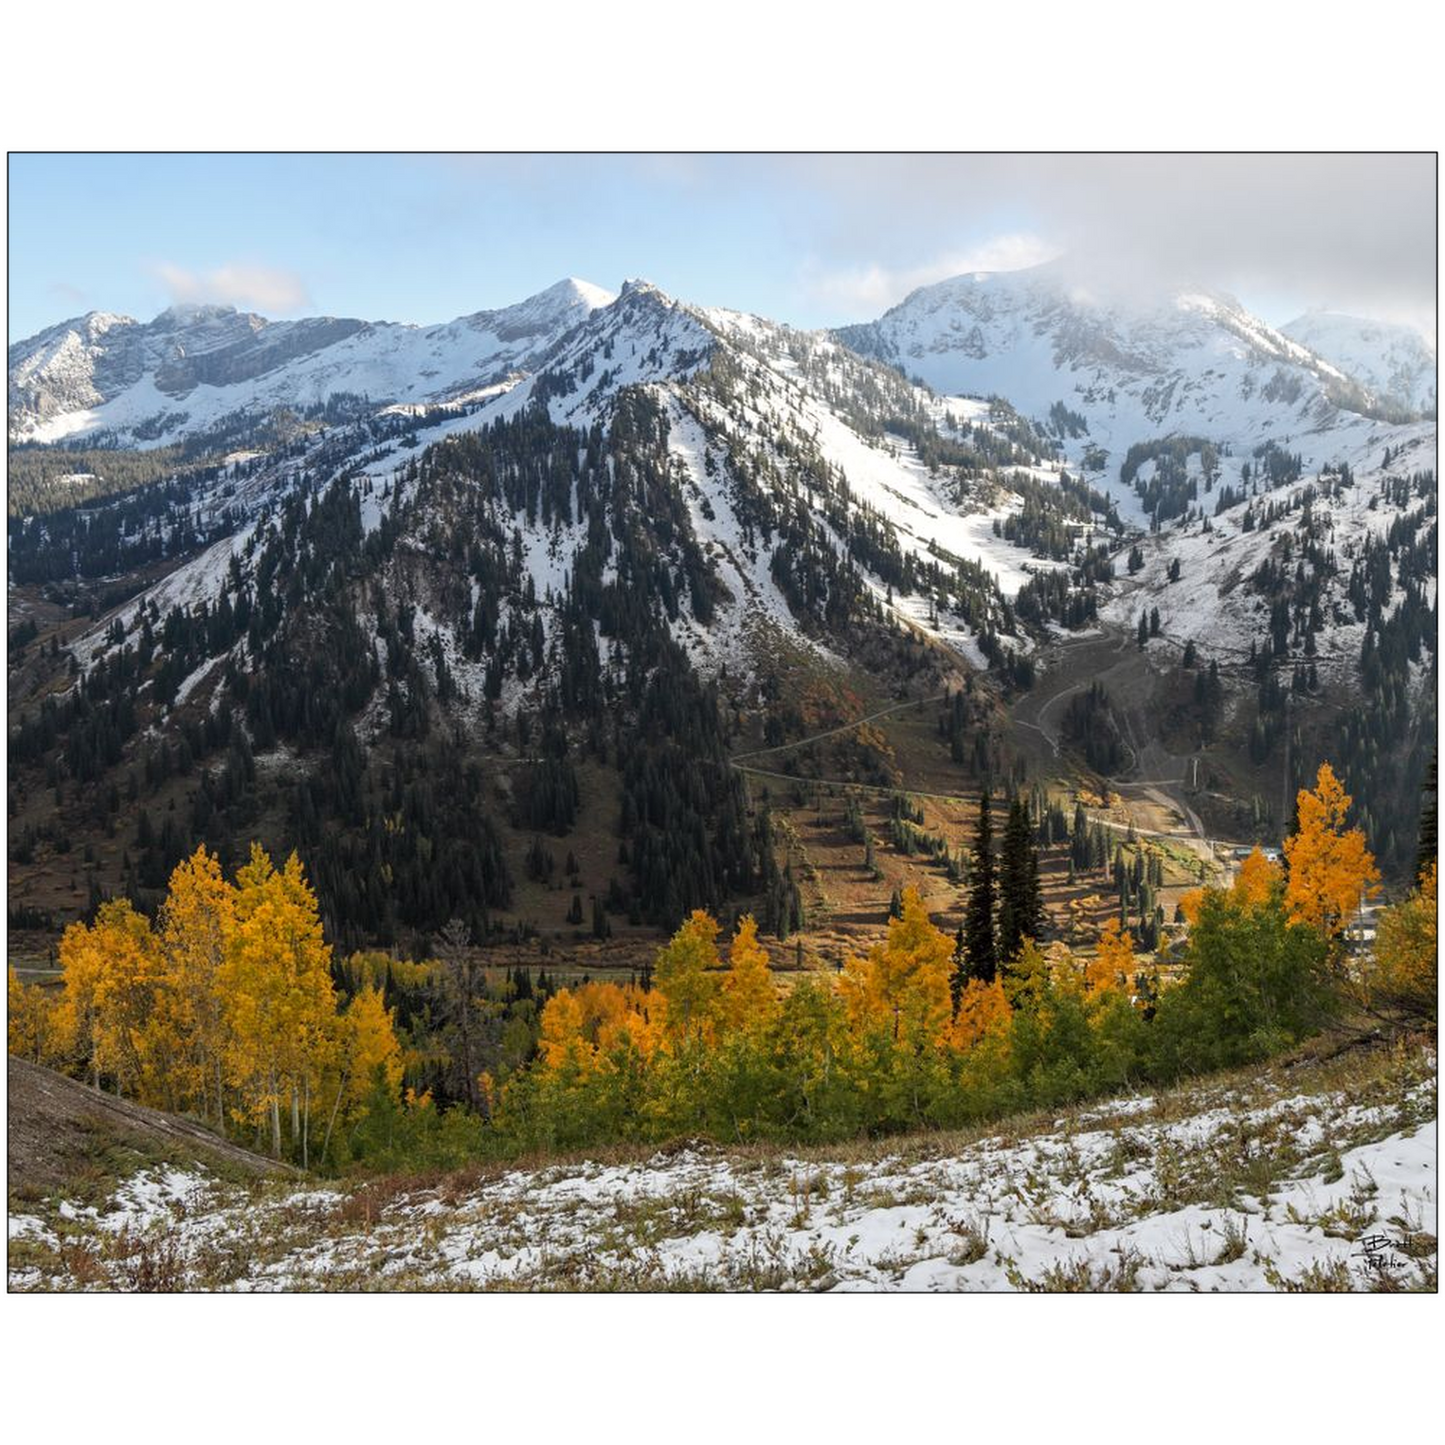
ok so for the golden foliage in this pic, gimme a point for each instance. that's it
(1405, 973)
(1113, 963)
(39, 1025)
(371, 1045)
(903, 984)
(1256, 881)
(749, 1000)
(983, 1012)
(225, 1009)
(686, 977)
(1330, 869)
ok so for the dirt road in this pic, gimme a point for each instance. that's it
(1112, 658)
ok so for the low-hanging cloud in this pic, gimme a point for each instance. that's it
(1343, 231)
(872, 288)
(1286, 231)
(264, 288)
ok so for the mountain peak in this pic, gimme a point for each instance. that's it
(573, 288)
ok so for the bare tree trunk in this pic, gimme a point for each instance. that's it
(335, 1109)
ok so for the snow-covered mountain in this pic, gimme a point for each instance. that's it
(1395, 362)
(149, 383)
(779, 441)
(537, 510)
(761, 418)
(1113, 372)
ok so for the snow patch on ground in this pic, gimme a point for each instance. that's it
(1126, 1194)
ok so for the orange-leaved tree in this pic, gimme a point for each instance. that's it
(114, 979)
(1113, 963)
(1330, 869)
(40, 1024)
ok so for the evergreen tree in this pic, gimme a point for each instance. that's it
(1020, 906)
(1428, 847)
(978, 925)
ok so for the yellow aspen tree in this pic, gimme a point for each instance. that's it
(282, 1030)
(370, 1043)
(1028, 978)
(1190, 903)
(1330, 869)
(81, 962)
(749, 1001)
(126, 980)
(642, 1020)
(903, 984)
(1254, 885)
(39, 1026)
(369, 1050)
(1065, 971)
(1113, 963)
(1256, 881)
(684, 973)
(560, 1040)
(195, 921)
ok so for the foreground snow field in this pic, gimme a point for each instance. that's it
(1253, 1185)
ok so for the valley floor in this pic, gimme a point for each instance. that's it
(1312, 1176)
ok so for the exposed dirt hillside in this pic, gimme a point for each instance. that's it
(61, 1134)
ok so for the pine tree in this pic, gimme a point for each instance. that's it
(1428, 846)
(1020, 907)
(978, 926)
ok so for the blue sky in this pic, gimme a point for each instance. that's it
(814, 240)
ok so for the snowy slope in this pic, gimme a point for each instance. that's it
(1185, 362)
(1212, 603)
(737, 391)
(1397, 363)
(192, 366)
(807, 417)
(1333, 1189)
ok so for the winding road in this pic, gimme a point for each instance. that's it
(1067, 666)
(1111, 658)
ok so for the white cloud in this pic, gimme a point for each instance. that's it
(1354, 232)
(873, 288)
(266, 288)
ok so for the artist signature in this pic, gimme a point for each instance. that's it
(1382, 1254)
